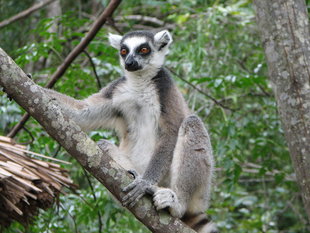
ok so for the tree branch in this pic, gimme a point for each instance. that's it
(94, 69)
(25, 13)
(107, 13)
(47, 112)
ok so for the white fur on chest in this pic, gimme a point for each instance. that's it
(140, 101)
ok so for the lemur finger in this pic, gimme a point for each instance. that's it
(132, 204)
(129, 187)
(131, 196)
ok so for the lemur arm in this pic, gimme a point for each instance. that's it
(91, 113)
(161, 160)
(66, 101)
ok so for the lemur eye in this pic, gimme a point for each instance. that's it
(144, 50)
(123, 51)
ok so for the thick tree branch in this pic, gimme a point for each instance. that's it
(107, 13)
(98, 162)
(25, 13)
(284, 27)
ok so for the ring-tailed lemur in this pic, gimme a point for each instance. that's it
(166, 148)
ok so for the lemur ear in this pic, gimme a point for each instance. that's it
(115, 40)
(163, 39)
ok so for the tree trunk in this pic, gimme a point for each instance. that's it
(98, 162)
(284, 28)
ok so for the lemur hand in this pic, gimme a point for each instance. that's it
(136, 189)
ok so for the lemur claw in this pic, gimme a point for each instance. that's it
(133, 173)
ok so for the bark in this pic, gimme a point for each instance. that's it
(25, 13)
(98, 162)
(284, 28)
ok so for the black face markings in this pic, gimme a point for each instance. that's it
(144, 46)
(124, 48)
(131, 64)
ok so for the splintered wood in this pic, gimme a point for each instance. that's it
(27, 183)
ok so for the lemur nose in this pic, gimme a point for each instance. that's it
(131, 64)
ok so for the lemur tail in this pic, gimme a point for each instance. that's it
(200, 223)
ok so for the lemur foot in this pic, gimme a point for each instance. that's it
(165, 197)
(135, 190)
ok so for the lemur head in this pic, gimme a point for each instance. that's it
(142, 51)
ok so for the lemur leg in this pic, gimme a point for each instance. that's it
(119, 156)
(191, 172)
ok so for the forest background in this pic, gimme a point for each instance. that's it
(218, 62)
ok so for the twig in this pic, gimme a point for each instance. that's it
(94, 68)
(255, 169)
(25, 13)
(10, 148)
(111, 23)
(30, 134)
(297, 212)
(57, 150)
(85, 41)
(142, 18)
(135, 26)
(19, 125)
(72, 55)
(95, 199)
(242, 65)
(202, 92)
(72, 217)
(254, 180)
(145, 19)
(263, 90)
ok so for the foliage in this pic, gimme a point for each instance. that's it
(218, 52)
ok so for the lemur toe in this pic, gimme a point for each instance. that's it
(164, 198)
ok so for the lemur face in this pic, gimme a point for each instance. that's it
(136, 50)
(141, 50)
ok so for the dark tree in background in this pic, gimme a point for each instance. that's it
(284, 27)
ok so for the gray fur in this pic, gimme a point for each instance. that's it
(110, 89)
(167, 148)
(147, 34)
